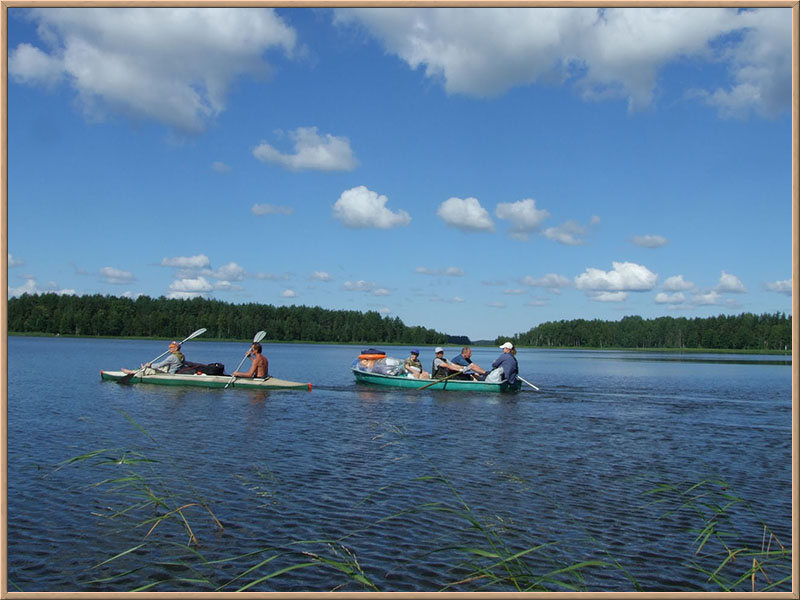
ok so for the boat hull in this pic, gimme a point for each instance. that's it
(451, 384)
(207, 381)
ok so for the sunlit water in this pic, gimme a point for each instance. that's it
(568, 465)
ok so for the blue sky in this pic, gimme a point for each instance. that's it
(477, 171)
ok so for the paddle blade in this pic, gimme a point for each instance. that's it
(259, 336)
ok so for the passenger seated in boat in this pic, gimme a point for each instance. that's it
(414, 367)
(442, 368)
(260, 367)
(508, 361)
(170, 365)
(464, 359)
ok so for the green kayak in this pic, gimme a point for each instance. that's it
(463, 385)
(207, 381)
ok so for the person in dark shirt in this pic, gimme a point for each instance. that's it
(465, 360)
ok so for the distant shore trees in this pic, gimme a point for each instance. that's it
(101, 315)
(735, 332)
(113, 316)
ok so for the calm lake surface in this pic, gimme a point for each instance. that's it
(400, 483)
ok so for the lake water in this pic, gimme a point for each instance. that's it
(411, 489)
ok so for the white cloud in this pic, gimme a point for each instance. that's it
(14, 262)
(676, 298)
(465, 214)
(270, 209)
(523, 216)
(608, 296)
(199, 261)
(730, 284)
(782, 287)
(606, 53)
(571, 232)
(361, 208)
(31, 287)
(271, 277)
(708, 298)
(650, 241)
(288, 293)
(447, 272)
(229, 272)
(624, 277)
(551, 281)
(220, 167)
(312, 151)
(116, 276)
(676, 283)
(170, 65)
(369, 287)
(193, 285)
(321, 276)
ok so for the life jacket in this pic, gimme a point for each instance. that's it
(438, 373)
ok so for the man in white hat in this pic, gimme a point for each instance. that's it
(442, 368)
(508, 361)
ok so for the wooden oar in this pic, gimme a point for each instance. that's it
(258, 337)
(440, 380)
(528, 382)
(130, 376)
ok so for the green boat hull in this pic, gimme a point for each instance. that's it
(451, 384)
(207, 381)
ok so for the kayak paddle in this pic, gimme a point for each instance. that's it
(258, 337)
(130, 376)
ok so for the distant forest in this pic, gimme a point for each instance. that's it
(101, 315)
(741, 332)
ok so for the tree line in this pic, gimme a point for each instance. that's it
(746, 331)
(103, 315)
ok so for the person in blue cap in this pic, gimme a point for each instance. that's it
(414, 367)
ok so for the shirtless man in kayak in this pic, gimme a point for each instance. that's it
(260, 367)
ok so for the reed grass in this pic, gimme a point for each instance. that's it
(473, 552)
(724, 555)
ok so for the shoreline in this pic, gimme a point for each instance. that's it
(475, 345)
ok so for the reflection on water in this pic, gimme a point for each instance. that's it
(370, 469)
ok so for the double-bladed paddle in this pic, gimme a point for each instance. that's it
(130, 376)
(440, 380)
(258, 337)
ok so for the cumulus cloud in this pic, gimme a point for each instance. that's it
(676, 283)
(116, 276)
(321, 276)
(571, 232)
(199, 261)
(170, 65)
(466, 214)
(369, 287)
(14, 262)
(674, 299)
(447, 272)
(360, 207)
(730, 284)
(605, 53)
(288, 293)
(782, 287)
(220, 167)
(260, 210)
(704, 299)
(550, 281)
(624, 277)
(650, 241)
(31, 287)
(523, 216)
(312, 151)
(191, 285)
(608, 296)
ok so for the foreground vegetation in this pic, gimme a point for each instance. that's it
(172, 517)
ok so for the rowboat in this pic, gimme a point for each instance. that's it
(207, 381)
(404, 381)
